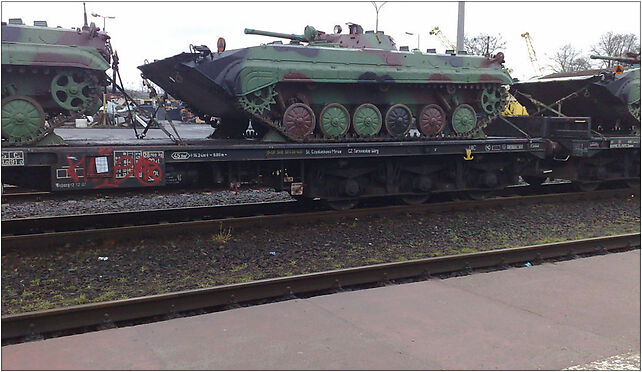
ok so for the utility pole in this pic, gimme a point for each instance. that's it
(460, 27)
(103, 17)
(377, 8)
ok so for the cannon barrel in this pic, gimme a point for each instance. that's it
(631, 60)
(275, 34)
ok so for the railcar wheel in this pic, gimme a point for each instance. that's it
(398, 120)
(480, 194)
(342, 205)
(366, 120)
(534, 180)
(586, 186)
(414, 199)
(432, 120)
(299, 120)
(334, 120)
(464, 119)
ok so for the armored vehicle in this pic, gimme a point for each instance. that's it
(610, 98)
(49, 75)
(335, 87)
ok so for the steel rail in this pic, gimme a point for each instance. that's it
(51, 239)
(97, 314)
(24, 226)
(14, 193)
(59, 223)
(23, 195)
(41, 224)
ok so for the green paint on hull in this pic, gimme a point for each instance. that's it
(347, 69)
(56, 71)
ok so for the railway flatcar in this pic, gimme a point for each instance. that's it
(335, 119)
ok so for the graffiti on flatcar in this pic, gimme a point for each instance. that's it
(111, 169)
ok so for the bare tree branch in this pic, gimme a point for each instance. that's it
(615, 45)
(569, 59)
(484, 45)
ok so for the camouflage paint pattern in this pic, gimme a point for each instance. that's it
(52, 71)
(33, 55)
(47, 46)
(352, 69)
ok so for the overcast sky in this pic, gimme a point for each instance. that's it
(146, 30)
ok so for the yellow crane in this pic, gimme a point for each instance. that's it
(531, 54)
(442, 38)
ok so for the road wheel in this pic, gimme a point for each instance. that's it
(299, 120)
(398, 120)
(366, 120)
(432, 120)
(334, 120)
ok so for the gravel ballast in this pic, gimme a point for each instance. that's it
(105, 202)
(73, 275)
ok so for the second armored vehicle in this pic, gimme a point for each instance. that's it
(338, 87)
(610, 98)
(49, 74)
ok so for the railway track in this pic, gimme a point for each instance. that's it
(48, 224)
(76, 229)
(34, 225)
(19, 194)
(15, 193)
(83, 318)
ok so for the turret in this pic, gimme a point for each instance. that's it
(354, 39)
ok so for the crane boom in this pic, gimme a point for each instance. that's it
(531, 54)
(442, 38)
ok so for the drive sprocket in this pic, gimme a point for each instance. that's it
(258, 103)
(493, 99)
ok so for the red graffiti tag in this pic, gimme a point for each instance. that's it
(146, 171)
(104, 150)
(73, 165)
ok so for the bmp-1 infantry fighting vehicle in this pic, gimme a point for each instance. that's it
(335, 87)
(49, 75)
(610, 98)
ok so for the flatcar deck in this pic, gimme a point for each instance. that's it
(112, 158)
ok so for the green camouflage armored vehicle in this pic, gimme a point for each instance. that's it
(49, 75)
(335, 87)
(610, 98)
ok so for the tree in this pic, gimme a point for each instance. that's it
(484, 45)
(569, 59)
(615, 45)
